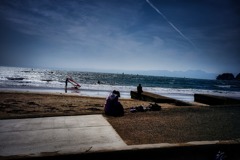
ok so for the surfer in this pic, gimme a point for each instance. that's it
(75, 84)
(66, 82)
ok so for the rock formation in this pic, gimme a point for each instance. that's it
(238, 76)
(225, 76)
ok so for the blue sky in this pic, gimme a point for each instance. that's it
(174, 35)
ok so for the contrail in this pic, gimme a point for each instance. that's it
(170, 23)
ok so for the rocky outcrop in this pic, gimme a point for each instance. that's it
(238, 76)
(226, 76)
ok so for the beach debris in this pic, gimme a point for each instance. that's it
(150, 107)
(137, 109)
(154, 107)
(88, 149)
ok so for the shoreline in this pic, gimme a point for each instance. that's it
(70, 91)
(92, 93)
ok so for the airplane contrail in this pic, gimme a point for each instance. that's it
(171, 24)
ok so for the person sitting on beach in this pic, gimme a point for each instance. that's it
(112, 106)
(139, 91)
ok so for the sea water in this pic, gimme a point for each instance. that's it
(101, 84)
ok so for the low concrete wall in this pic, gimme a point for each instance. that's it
(192, 152)
(215, 100)
(151, 97)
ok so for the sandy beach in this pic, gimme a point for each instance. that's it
(172, 124)
(18, 104)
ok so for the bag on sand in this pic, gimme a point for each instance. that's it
(151, 107)
(154, 107)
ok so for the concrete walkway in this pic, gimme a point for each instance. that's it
(57, 135)
(92, 137)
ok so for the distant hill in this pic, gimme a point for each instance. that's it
(199, 74)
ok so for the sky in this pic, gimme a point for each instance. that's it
(173, 35)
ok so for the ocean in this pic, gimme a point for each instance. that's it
(101, 84)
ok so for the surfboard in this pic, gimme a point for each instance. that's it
(74, 83)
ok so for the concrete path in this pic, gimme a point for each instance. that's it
(57, 135)
(71, 137)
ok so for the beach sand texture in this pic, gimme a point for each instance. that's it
(172, 124)
(27, 104)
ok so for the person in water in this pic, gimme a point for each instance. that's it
(66, 82)
(75, 86)
(112, 106)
